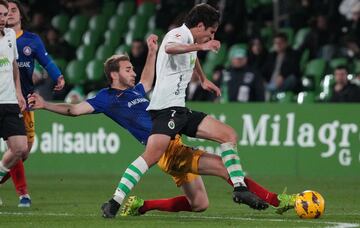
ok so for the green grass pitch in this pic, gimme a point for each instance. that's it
(74, 200)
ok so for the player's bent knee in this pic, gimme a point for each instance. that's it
(19, 150)
(200, 205)
(27, 153)
(25, 156)
(200, 208)
(231, 136)
(151, 158)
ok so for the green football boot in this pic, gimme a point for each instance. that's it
(131, 207)
(287, 202)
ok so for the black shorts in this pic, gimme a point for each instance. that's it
(176, 120)
(11, 121)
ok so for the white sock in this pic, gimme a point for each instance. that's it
(3, 170)
(232, 164)
(130, 178)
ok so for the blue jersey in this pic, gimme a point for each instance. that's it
(30, 47)
(127, 108)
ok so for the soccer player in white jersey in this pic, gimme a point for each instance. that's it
(12, 102)
(176, 63)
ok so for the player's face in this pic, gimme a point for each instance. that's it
(340, 76)
(280, 44)
(3, 17)
(127, 74)
(206, 34)
(14, 15)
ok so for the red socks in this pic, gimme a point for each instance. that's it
(17, 173)
(260, 191)
(180, 203)
(175, 204)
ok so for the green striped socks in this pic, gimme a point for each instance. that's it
(3, 170)
(130, 178)
(231, 162)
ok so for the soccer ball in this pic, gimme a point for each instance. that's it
(309, 204)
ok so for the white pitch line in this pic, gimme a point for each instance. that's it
(330, 223)
(38, 214)
(344, 213)
(334, 224)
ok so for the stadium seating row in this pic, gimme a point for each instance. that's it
(117, 25)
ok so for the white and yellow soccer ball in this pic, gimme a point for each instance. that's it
(309, 204)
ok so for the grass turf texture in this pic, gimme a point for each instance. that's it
(74, 200)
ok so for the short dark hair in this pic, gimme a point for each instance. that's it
(4, 3)
(112, 65)
(202, 13)
(282, 36)
(342, 67)
(24, 17)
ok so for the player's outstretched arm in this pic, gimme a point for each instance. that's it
(37, 102)
(147, 75)
(45, 61)
(178, 48)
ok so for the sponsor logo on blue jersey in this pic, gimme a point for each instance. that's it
(137, 101)
(24, 64)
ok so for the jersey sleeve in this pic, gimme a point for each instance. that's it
(98, 103)
(140, 89)
(16, 55)
(177, 36)
(44, 59)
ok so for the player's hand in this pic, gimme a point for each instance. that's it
(211, 45)
(35, 101)
(209, 86)
(152, 43)
(60, 83)
(21, 101)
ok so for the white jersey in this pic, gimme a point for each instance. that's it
(8, 53)
(173, 72)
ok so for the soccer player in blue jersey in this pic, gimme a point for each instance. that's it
(30, 48)
(125, 103)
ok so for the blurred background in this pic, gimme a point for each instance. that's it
(302, 51)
